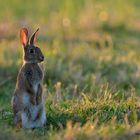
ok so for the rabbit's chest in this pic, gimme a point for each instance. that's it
(34, 74)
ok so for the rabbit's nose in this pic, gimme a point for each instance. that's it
(41, 58)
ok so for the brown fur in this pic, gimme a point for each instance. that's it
(29, 78)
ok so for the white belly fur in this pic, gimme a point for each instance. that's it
(35, 87)
(33, 109)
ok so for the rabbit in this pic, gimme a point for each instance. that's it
(27, 101)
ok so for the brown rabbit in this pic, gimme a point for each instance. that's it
(27, 101)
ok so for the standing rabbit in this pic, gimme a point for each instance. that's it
(27, 101)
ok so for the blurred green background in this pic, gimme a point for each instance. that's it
(80, 39)
(91, 48)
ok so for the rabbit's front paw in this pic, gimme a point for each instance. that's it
(33, 100)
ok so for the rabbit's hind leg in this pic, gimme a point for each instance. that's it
(26, 119)
(40, 119)
(43, 117)
(29, 122)
(17, 120)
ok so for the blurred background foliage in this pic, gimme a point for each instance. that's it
(84, 41)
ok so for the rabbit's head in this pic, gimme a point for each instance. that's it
(32, 54)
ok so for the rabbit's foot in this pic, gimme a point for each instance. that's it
(18, 125)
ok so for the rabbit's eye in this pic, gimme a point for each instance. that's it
(31, 51)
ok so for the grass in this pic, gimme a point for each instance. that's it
(92, 67)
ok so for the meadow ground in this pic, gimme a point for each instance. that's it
(92, 67)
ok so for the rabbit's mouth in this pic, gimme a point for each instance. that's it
(41, 58)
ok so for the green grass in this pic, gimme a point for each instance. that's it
(92, 67)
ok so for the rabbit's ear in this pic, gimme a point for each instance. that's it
(24, 36)
(33, 37)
